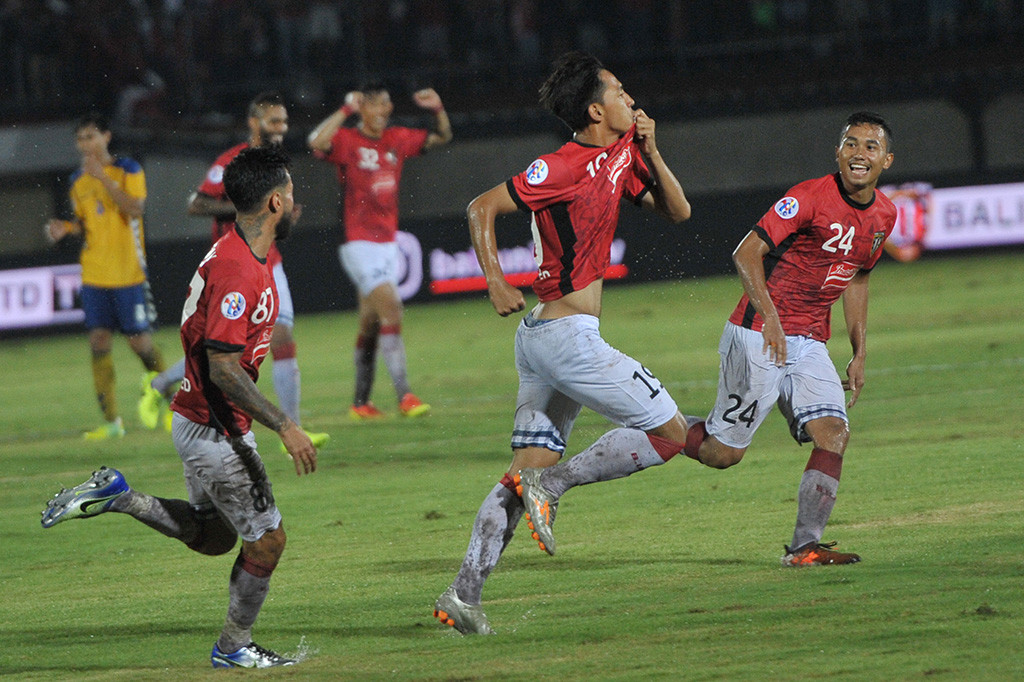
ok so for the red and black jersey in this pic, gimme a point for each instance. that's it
(213, 187)
(574, 196)
(369, 170)
(818, 240)
(231, 306)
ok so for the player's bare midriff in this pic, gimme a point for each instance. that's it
(586, 301)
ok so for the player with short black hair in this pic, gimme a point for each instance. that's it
(227, 321)
(369, 159)
(573, 196)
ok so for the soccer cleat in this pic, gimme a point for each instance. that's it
(411, 406)
(817, 554)
(114, 429)
(252, 655)
(365, 412)
(168, 420)
(467, 619)
(541, 507)
(151, 403)
(86, 499)
(318, 439)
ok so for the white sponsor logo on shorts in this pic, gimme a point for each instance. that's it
(232, 306)
(787, 207)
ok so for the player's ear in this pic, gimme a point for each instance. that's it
(596, 111)
(274, 203)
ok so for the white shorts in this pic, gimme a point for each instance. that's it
(807, 387)
(370, 264)
(285, 307)
(564, 364)
(216, 478)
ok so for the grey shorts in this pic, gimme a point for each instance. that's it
(807, 387)
(217, 480)
(564, 364)
(370, 264)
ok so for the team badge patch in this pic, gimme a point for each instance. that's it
(232, 306)
(537, 172)
(877, 242)
(216, 174)
(787, 207)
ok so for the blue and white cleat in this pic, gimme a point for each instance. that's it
(252, 655)
(87, 499)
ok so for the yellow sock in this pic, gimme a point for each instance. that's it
(103, 379)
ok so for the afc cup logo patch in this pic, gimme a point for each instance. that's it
(216, 174)
(787, 207)
(537, 172)
(233, 306)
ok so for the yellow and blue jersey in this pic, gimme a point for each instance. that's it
(113, 240)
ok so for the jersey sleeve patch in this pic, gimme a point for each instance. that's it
(537, 172)
(215, 175)
(787, 207)
(232, 306)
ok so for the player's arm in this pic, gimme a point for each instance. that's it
(482, 212)
(666, 196)
(855, 310)
(227, 374)
(749, 260)
(320, 139)
(429, 99)
(132, 206)
(200, 204)
(56, 229)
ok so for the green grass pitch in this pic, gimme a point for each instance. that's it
(669, 574)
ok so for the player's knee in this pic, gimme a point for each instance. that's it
(829, 433)
(717, 455)
(215, 538)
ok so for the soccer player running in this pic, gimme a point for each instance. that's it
(369, 160)
(574, 196)
(227, 322)
(268, 123)
(108, 197)
(818, 244)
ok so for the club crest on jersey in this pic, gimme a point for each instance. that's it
(787, 207)
(537, 172)
(877, 242)
(232, 306)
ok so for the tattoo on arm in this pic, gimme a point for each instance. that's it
(228, 375)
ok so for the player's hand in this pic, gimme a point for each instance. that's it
(299, 448)
(645, 132)
(91, 165)
(354, 100)
(774, 341)
(505, 298)
(427, 98)
(855, 372)
(56, 229)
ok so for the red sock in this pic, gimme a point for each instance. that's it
(253, 567)
(507, 481)
(827, 462)
(694, 437)
(666, 449)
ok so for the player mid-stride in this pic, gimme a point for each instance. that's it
(227, 323)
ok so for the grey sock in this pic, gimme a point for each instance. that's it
(174, 518)
(492, 531)
(815, 501)
(365, 358)
(170, 376)
(287, 385)
(247, 594)
(616, 454)
(392, 349)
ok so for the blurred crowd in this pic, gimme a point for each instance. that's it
(192, 61)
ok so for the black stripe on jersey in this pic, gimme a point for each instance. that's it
(567, 239)
(515, 196)
(223, 347)
(771, 259)
(846, 197)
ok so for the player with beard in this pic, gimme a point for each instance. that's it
(227, 323)
(268, 123)
(369, 160)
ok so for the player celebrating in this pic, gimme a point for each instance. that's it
(574, 196)
(108, 196)
(227, 322)
(817, 244)
(268, 123)
(369, 159)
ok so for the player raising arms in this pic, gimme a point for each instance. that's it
(817, 244)
(267, 119)
(227, 322)
(369, 160)
(574, 196)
